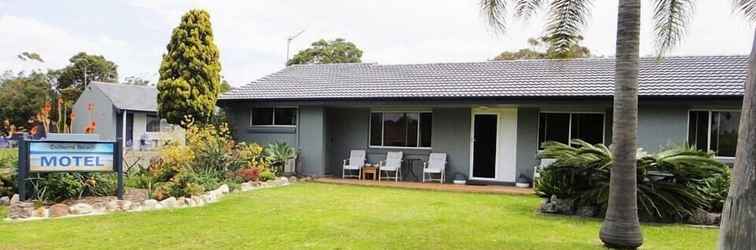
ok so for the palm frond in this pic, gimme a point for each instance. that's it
(495, 12)
(566, 21)
(746, 7)
(527, 8)
(670, 20)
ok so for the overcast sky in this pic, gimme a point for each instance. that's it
(251, 35)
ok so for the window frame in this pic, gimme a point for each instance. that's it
(708, 128)
(569, 128)
(274, 125)
(147, 123)
(383, 128)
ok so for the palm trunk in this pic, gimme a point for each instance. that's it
(621, 228)
(739, 215)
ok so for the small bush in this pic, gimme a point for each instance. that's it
(56, 187)
(267, 175)
(249, 174)
(672, 183)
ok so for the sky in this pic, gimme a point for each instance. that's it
(251, 35)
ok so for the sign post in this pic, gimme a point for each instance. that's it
(45, 156)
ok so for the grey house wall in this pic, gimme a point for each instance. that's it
(327, 134)
(104, 113)
(239, 117)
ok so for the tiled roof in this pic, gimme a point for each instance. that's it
(671, 76)
(130, 97)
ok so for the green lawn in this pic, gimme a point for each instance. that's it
(323, 216)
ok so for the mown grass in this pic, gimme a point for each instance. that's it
(323, 216)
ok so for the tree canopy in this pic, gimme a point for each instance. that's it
(189, 82)
(541, 48)
(322, 52)
(22, 96)
(84, 68)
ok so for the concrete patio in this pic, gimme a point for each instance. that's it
(490, 189)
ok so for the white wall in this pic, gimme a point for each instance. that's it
(140, 127)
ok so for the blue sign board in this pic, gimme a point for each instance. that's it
(45, 156)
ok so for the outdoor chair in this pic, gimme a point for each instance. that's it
(436, 164)
(393, 163)
(354, 163)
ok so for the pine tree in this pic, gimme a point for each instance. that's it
(189, 82)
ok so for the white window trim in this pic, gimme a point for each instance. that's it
(370, 129)
(569, 132)
(708, 127)
(251, 118)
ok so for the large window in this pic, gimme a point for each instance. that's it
(401, 129)
(563, 127)
(714, 131)
(153, 123)
(274, 117)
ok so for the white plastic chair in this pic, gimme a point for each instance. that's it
(436, 164)
(393, 163)
(354, 163)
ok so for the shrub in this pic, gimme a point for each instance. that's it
(8, 166)
(278, 154)
(672, 184)
(267, 175)
(57, 187)
(249, 174)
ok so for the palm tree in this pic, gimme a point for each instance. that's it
(739, 215)
(566, 18)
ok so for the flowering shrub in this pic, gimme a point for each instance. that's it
(209, 159)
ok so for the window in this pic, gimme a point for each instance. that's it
(714, 131)
(274, 116)
(563, 127)
(401, 129)
(153, 123)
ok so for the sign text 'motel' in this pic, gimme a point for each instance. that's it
(70, 156)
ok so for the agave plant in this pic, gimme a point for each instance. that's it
(672, 183)
(278, 153)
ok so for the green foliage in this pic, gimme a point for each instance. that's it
(8, 166)
(189, 82)
(542, 49)
(277, 154)
(30, 56)
(83, 69)
(323, 52)
(672, 184)
(56, 187)
(209, 159)
(135, 80)
(267, 175)
(22, 96)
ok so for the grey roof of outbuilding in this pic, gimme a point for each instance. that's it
(130, 97)
(670, 76)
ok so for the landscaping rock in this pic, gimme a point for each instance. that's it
(40, 212)
(283, 181)
(135, 195)
(59, 210)
(247, 186)
(112, 206)
(190, 202)
(21, 210)
(702, 217)
(180, 202)
(14, 199)
(199, 201)
(125, 205)
(224, 189)
(293, 179)
(4, 201)
(209, 197)
(170, 202)
(81, 208)
(559, 206)
(151, 204)
(586, 211)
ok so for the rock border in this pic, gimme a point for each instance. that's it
(25, 211)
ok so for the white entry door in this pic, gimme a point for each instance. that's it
(494, 159)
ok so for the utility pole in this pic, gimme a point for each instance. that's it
(288, 43)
